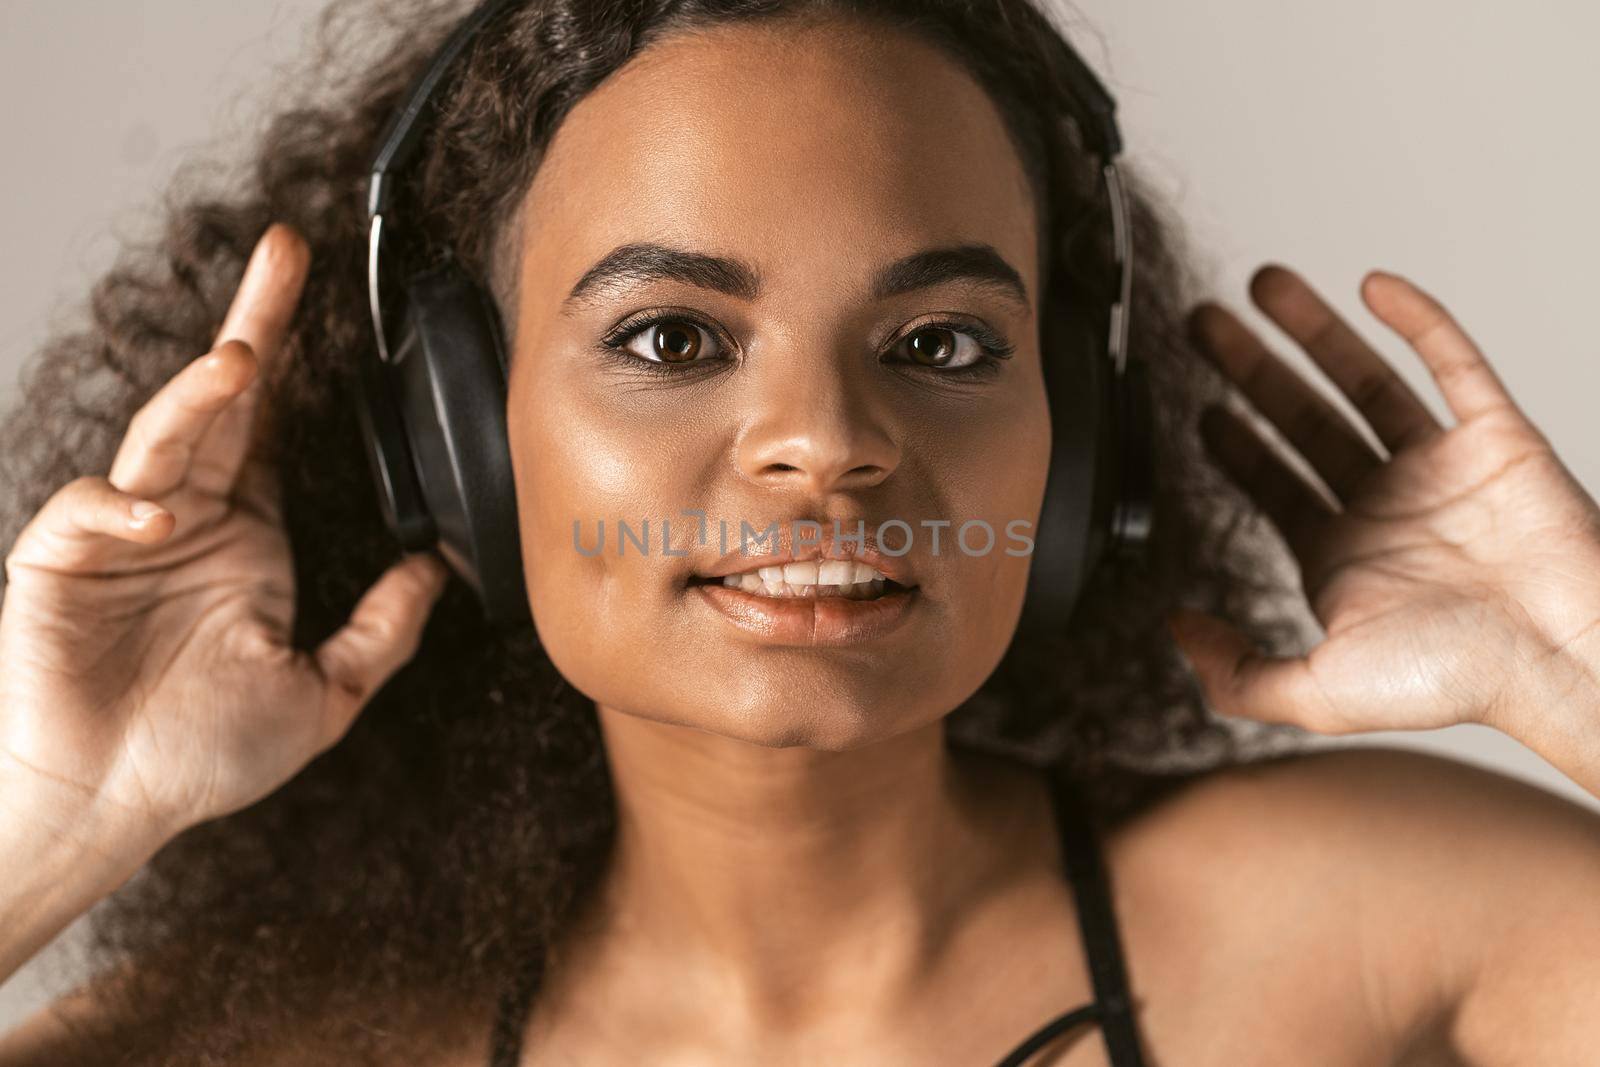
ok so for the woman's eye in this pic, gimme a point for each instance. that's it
(947, 346)
(673, 341)
(666, 343)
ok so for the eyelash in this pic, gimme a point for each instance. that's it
(995, 348)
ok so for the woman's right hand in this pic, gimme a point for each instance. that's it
(146, 670)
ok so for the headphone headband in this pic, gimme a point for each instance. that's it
(1096, 110)
(398, 144)
(1095, 114)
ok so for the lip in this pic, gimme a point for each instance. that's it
(894, 568)
(829, 621)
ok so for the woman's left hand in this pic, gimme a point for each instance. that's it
(1457, 578)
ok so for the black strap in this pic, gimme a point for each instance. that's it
(1038, 1039)
(1080, 849)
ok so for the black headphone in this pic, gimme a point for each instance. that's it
(432, 404)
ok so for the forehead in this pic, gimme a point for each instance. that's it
(828, 145)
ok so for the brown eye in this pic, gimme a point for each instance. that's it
(677, 342)
(941, 346)
(932, 347)
(664, 340)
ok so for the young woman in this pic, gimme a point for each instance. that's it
(331, 815)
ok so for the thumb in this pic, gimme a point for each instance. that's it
(381, 637)
(1235, 677)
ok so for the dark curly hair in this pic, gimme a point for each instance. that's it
(382, 901)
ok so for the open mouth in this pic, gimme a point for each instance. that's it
(827, 603)
(848, 580)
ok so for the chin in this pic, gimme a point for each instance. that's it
(782, 721)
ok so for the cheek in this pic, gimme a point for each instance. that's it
(581, 469)
(996, 472)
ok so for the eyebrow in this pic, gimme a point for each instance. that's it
(641, 262)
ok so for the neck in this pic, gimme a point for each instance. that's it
(793, 881)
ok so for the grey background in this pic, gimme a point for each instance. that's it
(1449, 140)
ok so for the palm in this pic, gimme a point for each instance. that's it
(154, 672)
(1441, 572)
(146, 641)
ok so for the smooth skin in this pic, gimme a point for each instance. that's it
(803, 873)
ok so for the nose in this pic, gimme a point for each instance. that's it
(817, 429)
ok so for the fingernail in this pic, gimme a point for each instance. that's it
(263, 247)
(144, 511)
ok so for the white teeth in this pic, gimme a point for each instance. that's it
(812, 578)
(811, 572)
(752, 583)
(835, 572)
(800, 573)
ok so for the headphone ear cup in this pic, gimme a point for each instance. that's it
(1133, 519)
(383, 432)
(1070, 535)
(1099, 500)
(448, 383)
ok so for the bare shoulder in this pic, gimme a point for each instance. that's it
(1450, 904)
(1367, 794)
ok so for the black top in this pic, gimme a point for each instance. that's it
(1111, 1006)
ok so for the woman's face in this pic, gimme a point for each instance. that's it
(801, 380)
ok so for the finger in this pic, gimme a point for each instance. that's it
(1330, 443)
(1238, 679)
(80, 520)
(260, 314)
(1296, 507)
(382, 635)
(1396, 414)
(162, 438)
(1470, 386)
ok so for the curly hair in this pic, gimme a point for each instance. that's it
(412, 873)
